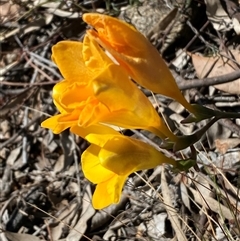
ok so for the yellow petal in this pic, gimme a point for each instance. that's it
(58, 89)
(118, 34)
(95, 134)
(109, 186)
(94, 57)
(109, 97)
(130, 108)
(71, 117)
(109, 192)
(136, 54)
(129, 120)
(76, 96)
(113, 88)
(92, 113)
(92, 168)
(69, 95)
(124, 155)
(53, 124)
(68, 57)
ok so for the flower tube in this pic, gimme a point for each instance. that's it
(111, 158)
(97, 91)
(135, 54)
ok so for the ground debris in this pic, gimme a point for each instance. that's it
(43, 192)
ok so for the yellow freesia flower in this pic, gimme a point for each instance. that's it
(95, 90)
(111, 158)
(135, 54)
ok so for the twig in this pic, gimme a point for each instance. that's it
(48, 230)
(17, 101)
(196, 83)
(212, 204)
(59, 220)
(230, 125)
(50, 69)
(30, 62)
(25, 84)
(24, 139)
(13, 137)
(25, 122)
(75, 157)
(198, 35)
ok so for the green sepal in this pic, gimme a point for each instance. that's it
(186, 141)
(184, 165)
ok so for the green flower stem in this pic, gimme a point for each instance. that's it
(201, 113)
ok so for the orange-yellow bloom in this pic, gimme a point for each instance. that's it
(95, 90)
(111, 158)
(135, 54)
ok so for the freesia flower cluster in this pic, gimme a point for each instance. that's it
(98, 97)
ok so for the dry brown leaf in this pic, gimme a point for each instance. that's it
(17, 101)
(9, 11)
(185, 195)
(232, 8)
(232, 200)
(155, 227)
(236, 25)
(66, 216)
(217, 66)
(103, 216)
(217, 131)
(202, 185)
(21, 237)
(224, 145)
(212, 204)
(171, 211)
(87, 212)
(219, 18)
(59, 165)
